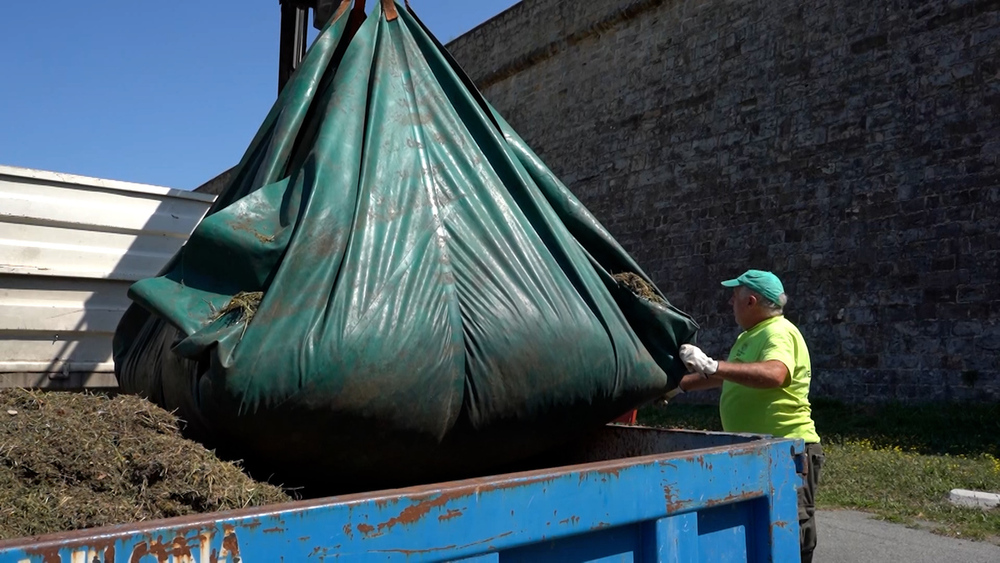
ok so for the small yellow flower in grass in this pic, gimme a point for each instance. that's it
(994, 462)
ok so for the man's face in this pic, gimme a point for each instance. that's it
(742, 302)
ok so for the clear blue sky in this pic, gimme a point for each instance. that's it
(165, 92)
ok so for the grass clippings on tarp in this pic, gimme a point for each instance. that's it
(638, 286)
(77, 460)
(245, 303)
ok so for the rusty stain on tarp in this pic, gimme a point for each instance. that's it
(247, 224)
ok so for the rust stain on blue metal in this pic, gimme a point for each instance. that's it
(452, 513)
(574, 520)
(52, 555)
(612, 471)
(463, 513)
(444, 548)
(414, 513)
(320, 551)
(178, 547)
(731, 498)
(417, 511)
(673, 503)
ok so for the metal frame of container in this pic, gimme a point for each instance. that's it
(639, 494)
(70, 246)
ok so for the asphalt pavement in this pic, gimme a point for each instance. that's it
(847, 536)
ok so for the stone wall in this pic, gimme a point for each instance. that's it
(850, 146)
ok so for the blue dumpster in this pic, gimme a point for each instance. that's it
(624, 494)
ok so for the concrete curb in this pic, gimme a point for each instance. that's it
(973, 499)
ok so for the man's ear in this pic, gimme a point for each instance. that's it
(751, 299)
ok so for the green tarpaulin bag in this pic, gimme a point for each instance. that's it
(393, 288)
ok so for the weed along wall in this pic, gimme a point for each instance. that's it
(851, 146)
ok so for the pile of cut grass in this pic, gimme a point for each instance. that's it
(77, 460)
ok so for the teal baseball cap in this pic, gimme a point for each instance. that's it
(764, 283)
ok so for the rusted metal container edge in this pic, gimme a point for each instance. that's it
(653, 503)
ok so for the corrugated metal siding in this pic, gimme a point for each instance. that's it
(70, 246)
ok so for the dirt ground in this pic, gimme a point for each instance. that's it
(77, 460)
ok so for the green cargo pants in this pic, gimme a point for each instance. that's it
(807, 501)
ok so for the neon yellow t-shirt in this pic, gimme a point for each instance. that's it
(785, 411)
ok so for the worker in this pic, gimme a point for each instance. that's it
(765, 382)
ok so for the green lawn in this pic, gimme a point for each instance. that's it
(898, 462)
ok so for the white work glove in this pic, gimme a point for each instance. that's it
(696, 360)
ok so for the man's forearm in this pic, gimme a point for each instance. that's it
(698, 382)
(758, 375)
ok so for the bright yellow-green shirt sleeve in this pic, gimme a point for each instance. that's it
(779, 346)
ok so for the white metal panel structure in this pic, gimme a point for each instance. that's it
(70, 246)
